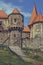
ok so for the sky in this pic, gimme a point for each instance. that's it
(24, 6)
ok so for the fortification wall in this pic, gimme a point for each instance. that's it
(4, 38)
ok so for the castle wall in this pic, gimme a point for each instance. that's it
(25, 39)
(25, 34)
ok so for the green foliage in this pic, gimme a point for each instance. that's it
(8, 58)
(34, 54)
(31, 49)
(37, 57)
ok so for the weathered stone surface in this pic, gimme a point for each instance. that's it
(4, 38)
(36, 35)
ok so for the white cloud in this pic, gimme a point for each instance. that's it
(8, 7)
(26, 14)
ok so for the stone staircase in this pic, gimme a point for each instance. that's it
(17, 50)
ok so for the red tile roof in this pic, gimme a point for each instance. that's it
(16, 11)
(34, 14)
(35, 17)
(39, 18)
(3, 14)
(26, 29)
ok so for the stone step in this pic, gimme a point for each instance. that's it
(18, 51)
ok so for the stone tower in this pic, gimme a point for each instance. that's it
(16, 24)
(36, 26)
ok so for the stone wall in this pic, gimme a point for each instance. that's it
(25, 35)
(25, 39)
(4, 38)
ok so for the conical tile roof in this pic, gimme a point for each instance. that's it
(34, 14)
(39, 18)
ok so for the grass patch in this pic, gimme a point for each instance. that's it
(8, 58)
(37, 57)
(34, 53)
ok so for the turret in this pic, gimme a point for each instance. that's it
(33, 16)
(16, 24)
(16, 19)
